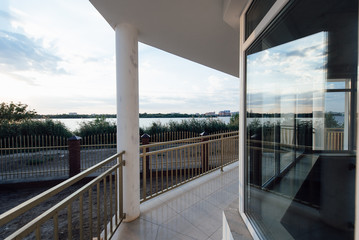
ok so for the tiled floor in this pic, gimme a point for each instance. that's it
(192, 211)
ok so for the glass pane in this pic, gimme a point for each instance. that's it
(338, 84)
(336, 121)
(300, 122)
(255, 14)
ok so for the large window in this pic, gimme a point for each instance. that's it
(301, 78)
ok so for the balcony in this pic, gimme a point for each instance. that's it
(192, 211)
(185, 185)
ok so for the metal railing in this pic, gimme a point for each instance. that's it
(171, 136)
(29, 158)
(184, 160)
(94, 210)
(334, 139)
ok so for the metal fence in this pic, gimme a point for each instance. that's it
(94, 210)
(96, 148)
(33, 157)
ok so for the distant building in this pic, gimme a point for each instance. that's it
(224, 113)
(73, 113)
(210, 114)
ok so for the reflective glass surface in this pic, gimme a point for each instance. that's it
(301, 77)
(255, 14)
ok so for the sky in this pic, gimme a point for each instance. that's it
(291, 78)
(58, 57)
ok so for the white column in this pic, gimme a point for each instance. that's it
(128, 116)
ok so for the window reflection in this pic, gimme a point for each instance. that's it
(255, 14)
(301, 86)
(283, 94)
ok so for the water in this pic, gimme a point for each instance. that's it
(339, 119)
(74, 123)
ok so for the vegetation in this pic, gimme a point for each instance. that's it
(331, 122)
(58, 116)
(34, 127)
(266, 131)
(234, 121)
(142, 115)
(95, 127)
(17, 120)
(101, 126)
(209, 125)
(168, 115)
(15, 112)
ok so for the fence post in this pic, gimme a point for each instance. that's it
(145, 140)
(204, 152)
(74, 147)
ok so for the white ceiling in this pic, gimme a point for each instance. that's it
(204, 31)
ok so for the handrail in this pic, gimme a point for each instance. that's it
(188, 139)
(31, 203)
(41, 219)
(333, 141)
(185, 146)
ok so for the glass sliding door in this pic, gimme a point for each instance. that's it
(301, 77)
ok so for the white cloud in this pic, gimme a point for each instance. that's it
(72, 65)
(292, 69)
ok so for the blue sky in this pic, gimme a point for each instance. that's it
(292, 78)
(58, 57)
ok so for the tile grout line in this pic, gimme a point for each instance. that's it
(189, 223)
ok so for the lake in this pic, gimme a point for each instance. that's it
(74, 123)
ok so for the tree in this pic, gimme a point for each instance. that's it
(330, 121)
(234, 121)
(15, 112)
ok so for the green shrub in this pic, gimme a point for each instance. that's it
(34, 127)
(15, 112)
(331, 122)
(96, 127)
(209, 125)
(234, 122)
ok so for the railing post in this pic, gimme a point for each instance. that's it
(145, 140)
(204, 152)
(120, 187)
(74, 147)
(222, 147)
